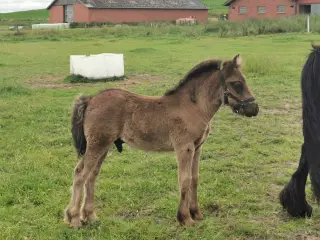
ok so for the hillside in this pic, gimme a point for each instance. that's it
(30, 15)
(216, 5)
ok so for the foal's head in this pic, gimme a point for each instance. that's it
(236, 91)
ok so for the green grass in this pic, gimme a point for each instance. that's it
(244, 163)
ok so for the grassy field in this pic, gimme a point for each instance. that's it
(244, 163)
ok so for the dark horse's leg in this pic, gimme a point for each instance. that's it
(293, 196)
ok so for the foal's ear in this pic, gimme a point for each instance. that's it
(237, 61)
(315, 46)
(219, 63)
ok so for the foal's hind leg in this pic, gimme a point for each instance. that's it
(87, 211)
(194, 207)
(185, 156)
(82, 171)
(293, 196)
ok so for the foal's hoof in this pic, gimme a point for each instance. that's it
(73, 222)
(185, 220)
(188, 222)
(88, 217)
(196, 215)
(67, 216)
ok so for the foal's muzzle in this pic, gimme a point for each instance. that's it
(248, 109)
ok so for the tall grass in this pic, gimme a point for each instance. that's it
(265, 26)
(262, 66)
(160, 30)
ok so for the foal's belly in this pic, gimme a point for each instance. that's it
(148, 142)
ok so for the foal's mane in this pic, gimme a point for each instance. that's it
(208, 66)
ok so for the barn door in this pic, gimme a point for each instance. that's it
(68, 13)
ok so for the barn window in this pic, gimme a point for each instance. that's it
(242, 10)
(261, 9)
(281, 9)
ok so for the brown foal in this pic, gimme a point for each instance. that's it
(178, 121)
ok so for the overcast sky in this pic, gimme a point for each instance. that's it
(22, 5)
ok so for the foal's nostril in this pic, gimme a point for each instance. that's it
(256, 110)
(251, 110)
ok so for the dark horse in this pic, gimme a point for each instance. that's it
(293, 196)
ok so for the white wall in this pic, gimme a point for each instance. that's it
(51, 26)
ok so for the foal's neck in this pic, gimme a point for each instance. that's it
(205, 95)
(211, 95)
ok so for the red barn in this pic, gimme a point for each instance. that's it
(120, 11)
(244, 9)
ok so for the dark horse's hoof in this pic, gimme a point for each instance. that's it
(295, 205)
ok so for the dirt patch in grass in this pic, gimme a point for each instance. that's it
(306, 237)
(212, 209)
(274, 111)
(49, 82)
(284, 109)
(134, 214)
(140, 78)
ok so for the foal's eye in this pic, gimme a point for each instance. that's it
(238, 87)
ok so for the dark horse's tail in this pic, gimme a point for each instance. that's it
(79, 139)
(310, 85)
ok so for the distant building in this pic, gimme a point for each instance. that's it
(121, 11)
(245, 9)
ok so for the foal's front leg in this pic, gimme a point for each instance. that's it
(184, 157)
(194, 208)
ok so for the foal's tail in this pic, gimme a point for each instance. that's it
(79, 109)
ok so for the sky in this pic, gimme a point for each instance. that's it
(22, 5)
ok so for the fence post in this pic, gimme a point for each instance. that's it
(308, 23)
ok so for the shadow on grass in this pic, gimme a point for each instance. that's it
(81, 79)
